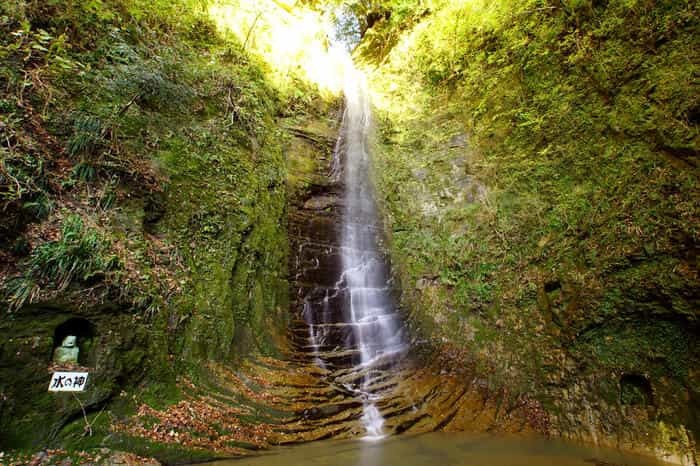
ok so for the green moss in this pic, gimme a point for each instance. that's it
(163, 136)
(657, 348)
(541, 209)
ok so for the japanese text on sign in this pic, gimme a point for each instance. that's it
(68, 381)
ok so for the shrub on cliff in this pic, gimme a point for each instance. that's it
(81, 254)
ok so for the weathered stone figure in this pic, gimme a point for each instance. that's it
(67, 353)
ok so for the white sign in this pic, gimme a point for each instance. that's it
(68, 381)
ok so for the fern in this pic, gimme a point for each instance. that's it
(88, 136)
(40, 207)
(84, 171)
(150, 86)
(19, 291)
(80, 255)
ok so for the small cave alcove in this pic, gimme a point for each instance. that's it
(83, 330)
(636, 390)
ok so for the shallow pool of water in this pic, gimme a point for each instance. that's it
(443, 449)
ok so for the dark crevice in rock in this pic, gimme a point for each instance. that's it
(636, 389)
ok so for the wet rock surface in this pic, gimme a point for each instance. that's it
(320, 380)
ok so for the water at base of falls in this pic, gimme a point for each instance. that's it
(373, 422)
(445, 449)
(354, 328)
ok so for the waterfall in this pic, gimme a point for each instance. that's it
(371, 310)
(352, 329)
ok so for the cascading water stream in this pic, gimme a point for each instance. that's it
(354, 333)
(376, 333)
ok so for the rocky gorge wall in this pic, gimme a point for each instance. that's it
(144, 210)
(537, 164)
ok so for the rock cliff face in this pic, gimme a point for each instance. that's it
(537, 220)
(144, 209)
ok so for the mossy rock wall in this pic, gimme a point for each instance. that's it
(537, 164)
(238, 299)
(162, 136)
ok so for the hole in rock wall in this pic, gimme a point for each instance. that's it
(552, 286)
(636, 390)
(82, 330)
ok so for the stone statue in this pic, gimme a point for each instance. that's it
(67, 353)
